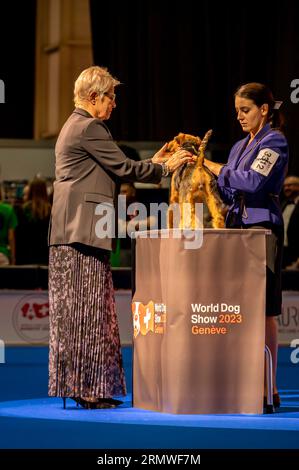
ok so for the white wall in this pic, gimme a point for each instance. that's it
(18, 163)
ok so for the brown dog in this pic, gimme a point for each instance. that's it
(193, 183)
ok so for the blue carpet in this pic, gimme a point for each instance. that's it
(25, 372)
(30, 420)
(44, 424)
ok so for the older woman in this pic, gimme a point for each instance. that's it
(85, 359)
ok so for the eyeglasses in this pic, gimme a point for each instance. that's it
(111, 96)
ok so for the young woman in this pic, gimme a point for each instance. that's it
(251, 182)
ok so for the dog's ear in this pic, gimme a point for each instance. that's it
(182, 138)
(179, 138)
(173, 145)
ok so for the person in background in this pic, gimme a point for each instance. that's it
(290, 213)
(121, 256)
(85, 361)
(50, 190)
(149, 223)
(8, 224)
(32, 231)
(251, 182)
(26, 190)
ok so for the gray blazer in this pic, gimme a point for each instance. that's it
(89, 170)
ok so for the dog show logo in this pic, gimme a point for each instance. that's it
(150, 317)
(31, 318)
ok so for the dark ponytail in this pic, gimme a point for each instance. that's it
(260, 94)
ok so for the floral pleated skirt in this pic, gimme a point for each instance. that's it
(85, 355)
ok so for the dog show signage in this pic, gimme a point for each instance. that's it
(24, 317)
(288, 322)
(210, 357)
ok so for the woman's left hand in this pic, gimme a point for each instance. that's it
(161, 156)
(178, 158)
(175, 160)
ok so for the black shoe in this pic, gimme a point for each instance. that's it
(276, 400)
(71, 398)
(89, 405)
(111, 401)
(99, 403)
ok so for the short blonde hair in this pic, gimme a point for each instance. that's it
(93, 80)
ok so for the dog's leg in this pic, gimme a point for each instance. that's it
(214, 204)
(187, 217)
(172, 216)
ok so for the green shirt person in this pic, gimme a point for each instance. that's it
(8, 223)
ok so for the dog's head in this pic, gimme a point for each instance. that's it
(186, 141)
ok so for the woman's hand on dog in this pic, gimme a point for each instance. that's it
(179, 158)
(162, 155)
(175, 160)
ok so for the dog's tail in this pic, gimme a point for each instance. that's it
(203, 146)
(205, 140)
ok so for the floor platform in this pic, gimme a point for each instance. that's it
(31, 420)
(44, 424)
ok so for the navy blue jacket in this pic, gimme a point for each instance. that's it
(252, 179)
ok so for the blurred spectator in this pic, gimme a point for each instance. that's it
(50, 191)
(8, 223)
(26, 190)
(32, 231)
(290, 213)
(122, 254)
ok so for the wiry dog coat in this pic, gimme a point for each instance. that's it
(193, 183)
